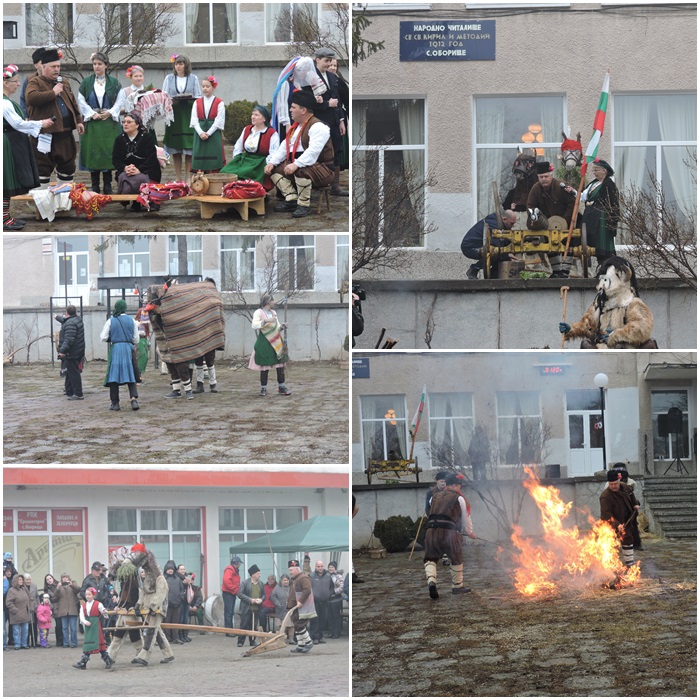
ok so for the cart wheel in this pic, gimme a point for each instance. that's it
(584, 251)
(487, 261)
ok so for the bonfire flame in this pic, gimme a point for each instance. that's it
(566, 558)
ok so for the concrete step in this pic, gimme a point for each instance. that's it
(670, 498)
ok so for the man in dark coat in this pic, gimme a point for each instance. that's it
(322, 585)
(328, 111)
(47, 97)
(97, 580)
(449, 519)
(550, 199)
(473, 241)
(176, 596)
(617, 505)
(71, 350)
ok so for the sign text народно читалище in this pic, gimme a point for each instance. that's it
(448, 41)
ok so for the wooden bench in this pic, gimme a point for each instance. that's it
(208, 205)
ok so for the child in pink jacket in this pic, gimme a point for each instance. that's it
(43, 616)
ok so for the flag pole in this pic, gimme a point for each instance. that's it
(591, 151)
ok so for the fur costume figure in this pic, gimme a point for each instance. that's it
(617, 318)
(153, 598)
(126, 607)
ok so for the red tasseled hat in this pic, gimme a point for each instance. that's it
(139, 547)
(571, 145)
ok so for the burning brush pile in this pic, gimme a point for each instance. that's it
(566, 558)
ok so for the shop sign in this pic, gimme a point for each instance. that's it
(7, 520)
(360, 367)
(67, 520)
(32, 521)
(448, 40)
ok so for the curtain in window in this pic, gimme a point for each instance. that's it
(678, 122)
(191, 20)
(518, 403)
(371, 427)
(37, 29)
(551, 120)
(359, 123)
(632, 117)
(233, 26)
(278, 21)
(411, 124)
(490, 122)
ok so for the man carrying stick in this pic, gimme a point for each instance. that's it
(618, 505)
(448, 520)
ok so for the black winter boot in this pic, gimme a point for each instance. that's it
(107, 177)
(199, 389)
(107, 659)
(95, 182)
(83, 662)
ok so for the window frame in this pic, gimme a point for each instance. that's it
(499, 416)
(319, 13)
(513, 146)
(380, 150)
(239, 251)
(130, 9)
(189, 250)
(295, 248)
(384, 420)
(657, 145)
(51, 40)
(132, 254)
(338, 246)
(237, 41)
(470, 418)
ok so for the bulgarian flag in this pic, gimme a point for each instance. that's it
(598, 124)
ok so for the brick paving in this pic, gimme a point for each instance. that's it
(492, 642)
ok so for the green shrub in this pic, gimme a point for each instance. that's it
(237, 118)
(395, 533)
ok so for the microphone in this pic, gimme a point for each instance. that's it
(566, 187)
(59, 79)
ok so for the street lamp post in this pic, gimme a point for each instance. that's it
(601, 381)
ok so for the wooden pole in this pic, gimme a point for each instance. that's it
(563, 291)
(415, 539)
(575, 214)
(200, 628)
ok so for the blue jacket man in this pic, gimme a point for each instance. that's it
(474, 240)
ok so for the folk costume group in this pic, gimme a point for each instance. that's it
(304, 151)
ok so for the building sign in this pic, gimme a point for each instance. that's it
(552, 369)
(448, 40)
(7, 520)
(360, 367)
(67, 520)
(32, 521)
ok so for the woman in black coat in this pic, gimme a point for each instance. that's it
(134, 158)
(602, 212)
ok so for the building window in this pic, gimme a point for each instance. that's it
(238, 263)
(342, 261)
(238, 525)
(504, 124)
(129, 25)
(48, 23)
(384, 427)
(389, 170)
(519, 426)
(170, 533)
(191, 246)
(656, 135)
(664, 441)
(285, 19)
(133, 258)
(211, 23)
(296, 262)
(451, 428)
(72, 261)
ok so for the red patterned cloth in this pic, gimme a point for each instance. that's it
(87, 202)
(243, 189)
(157, 192)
